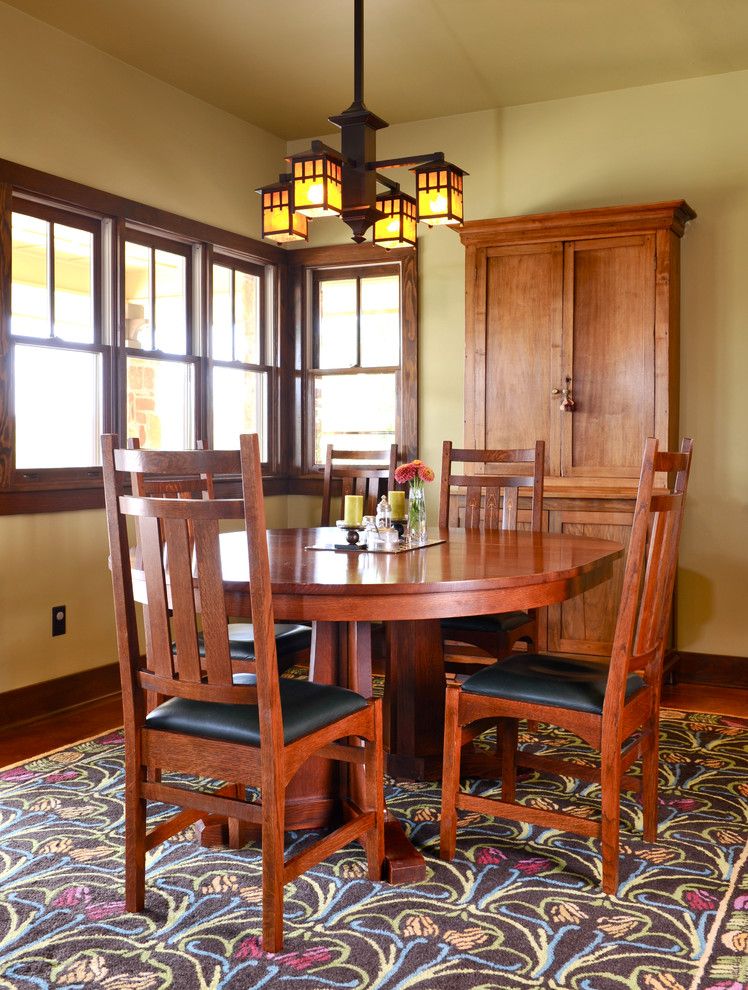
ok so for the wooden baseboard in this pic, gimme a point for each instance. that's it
(47, 697)
(709, 668)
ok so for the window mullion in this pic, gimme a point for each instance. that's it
(153, 298)
(233, 314)
(51, 278)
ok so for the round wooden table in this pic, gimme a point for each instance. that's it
(343, 591)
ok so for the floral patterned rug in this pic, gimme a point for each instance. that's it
(519, 906)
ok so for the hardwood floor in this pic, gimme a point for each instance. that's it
(21, 742)
(28, 739)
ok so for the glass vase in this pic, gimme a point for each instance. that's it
(417, 514)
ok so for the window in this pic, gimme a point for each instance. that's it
(240, 376)
(356, 349)
(116, 317)
(57, 348)
(158, 342)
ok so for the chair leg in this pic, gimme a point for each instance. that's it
(234, 825)
(135, 830)
(450, 774)
(509, 732)
(650, 770)
(273, 809)
(610, 786)
(373, 840)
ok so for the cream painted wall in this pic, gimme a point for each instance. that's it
(80, 114)
(90, 118)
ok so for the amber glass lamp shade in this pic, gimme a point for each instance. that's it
(317, 185)
(279, 220)
(397, 228)
(439, 193)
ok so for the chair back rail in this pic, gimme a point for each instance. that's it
(487, 498)
(643, 620)
(371, 475)
(178, 544)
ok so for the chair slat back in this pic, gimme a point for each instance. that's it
(181, 569)
(370, 473)
(488, 498)
(649, 577)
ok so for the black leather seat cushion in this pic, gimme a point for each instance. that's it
(505, 622)
(548, 680)
(289, 638)
(306, 706)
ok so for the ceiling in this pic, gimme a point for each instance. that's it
(286, 65)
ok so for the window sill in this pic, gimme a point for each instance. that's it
(42, 501)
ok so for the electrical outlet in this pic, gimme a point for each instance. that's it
(58, 620)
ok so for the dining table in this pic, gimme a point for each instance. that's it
(341, 590)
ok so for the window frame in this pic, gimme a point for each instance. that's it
(157, 242)
(64, 489)
(69, 477)
(269, 350)
(306, 267)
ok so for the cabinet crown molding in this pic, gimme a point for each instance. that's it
(672, 215)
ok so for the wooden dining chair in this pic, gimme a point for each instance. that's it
(292, 640)
(614, 708)
(489, 499)
(217, 723)
(370, 473)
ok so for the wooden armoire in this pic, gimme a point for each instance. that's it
(571, 336)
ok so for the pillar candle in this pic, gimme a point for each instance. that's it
(353, 511)
(397, 504)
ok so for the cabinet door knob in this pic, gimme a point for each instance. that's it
(567, 403)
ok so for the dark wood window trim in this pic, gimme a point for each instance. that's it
(67, 489)
(303, 265)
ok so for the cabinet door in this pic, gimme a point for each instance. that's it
(586, 624)
(514, 349)
(609, 352)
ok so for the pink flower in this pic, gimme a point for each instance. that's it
(728, 985)
(71, 896)
(250, 948)
(412, 470)
(112, 740)
(54, 778)
(303, 960)
(700, 900)
(741, 903)
(17, 775)
(684, 804)
(536, 864)
(97, 912)
(489, 855)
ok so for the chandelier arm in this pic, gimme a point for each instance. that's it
(320, 146)
(389, 183)
(434, 156)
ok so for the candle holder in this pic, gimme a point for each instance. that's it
(353, 531)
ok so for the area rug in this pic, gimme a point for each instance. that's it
(519, 907)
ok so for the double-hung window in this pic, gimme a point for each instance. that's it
(240, 383)
(161, 364)
(356, 355)
(59, 358)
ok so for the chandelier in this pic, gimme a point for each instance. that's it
(324, 182)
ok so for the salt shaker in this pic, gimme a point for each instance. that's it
(384, 514)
